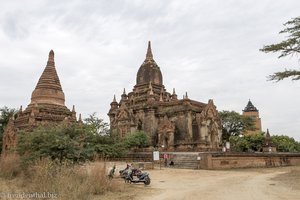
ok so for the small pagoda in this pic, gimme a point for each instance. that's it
(268, 145)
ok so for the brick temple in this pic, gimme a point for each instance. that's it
(173, 124)
(47, 106)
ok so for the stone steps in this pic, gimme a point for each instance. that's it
(185, 161)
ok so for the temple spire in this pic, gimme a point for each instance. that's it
(51, 59)
(250, 107)
(48, 89)
(114, 100)
(268, 134)
(186, 96)
(174, 95)
(149, 55)
(79, 118)
(124, 95)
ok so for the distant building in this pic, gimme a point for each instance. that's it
(251, 111)
(47, 106)
(268, 145)
(172, 123)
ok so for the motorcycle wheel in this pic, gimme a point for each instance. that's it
(147, 181)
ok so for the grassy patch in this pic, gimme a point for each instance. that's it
(63, 181)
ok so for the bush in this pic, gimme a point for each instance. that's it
(137, 139)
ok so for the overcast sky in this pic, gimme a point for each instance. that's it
(208, 48)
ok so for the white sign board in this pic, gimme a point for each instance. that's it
(155, 155)
(227, 144)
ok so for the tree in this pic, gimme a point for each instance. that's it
(235, 124)
(137, 139)
(247, 143)
(75, 143)
(285, 143)
(290, 46)
(5, 114)
(59, 143)
(97, 125)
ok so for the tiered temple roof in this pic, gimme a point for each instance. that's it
(47, 106)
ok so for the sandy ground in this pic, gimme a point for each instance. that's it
(179, 184)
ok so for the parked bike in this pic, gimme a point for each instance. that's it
(143, 177)
(134, 175)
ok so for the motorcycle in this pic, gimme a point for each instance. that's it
(128, 174)
(142, 177)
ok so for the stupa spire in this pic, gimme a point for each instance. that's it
(149, 55)
(48, 89)
(51, 58)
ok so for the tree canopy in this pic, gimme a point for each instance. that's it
(137, 140)
(247, 143)
(290, 46)
(75, 143)
(97, 125)
(285, 143)
(252, 143)
(235, 124)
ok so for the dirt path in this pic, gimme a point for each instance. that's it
(246, 184)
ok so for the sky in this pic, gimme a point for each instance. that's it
(207, 48)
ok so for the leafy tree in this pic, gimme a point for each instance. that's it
(285, 143)
(137, 139)
(75, 143)
(255, 142)
(56, 142)
(247, 143)
(97, 125)
(235, 124)
(5, 114)
(290, 46)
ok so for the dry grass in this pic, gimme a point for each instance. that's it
(10, 166)
(63, 181)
